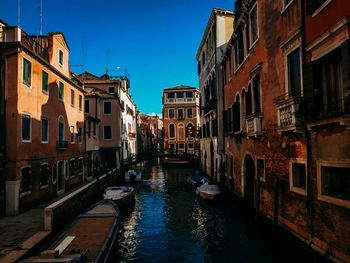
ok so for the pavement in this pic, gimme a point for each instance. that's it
(15, 230)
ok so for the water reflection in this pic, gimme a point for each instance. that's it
(169, 223)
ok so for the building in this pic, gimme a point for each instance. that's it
(149, 132)
(181, 120)
(285, 80)
(214, 41)
(128, 125)
(42, 108)
(102, 121)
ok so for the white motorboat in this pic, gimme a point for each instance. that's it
(133, 175)
(121, 195)
(208, 191)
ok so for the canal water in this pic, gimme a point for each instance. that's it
(169, 223)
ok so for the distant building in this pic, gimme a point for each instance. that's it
(128, 125)
(181, 120)
(42, 115)
(214, 41)
(149, 132)
(102, 121)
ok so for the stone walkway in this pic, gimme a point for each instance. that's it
(15, 230)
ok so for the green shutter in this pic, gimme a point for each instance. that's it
(44, 85)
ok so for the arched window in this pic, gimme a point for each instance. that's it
(257, 93)
(190, 130)
(181, 131)
(172, 130)
(248, 101)
(237, 114)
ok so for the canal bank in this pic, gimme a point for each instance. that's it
(169, 223)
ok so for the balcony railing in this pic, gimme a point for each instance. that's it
(179, 100)
(288, 112)
(61, 145)
(254, 124)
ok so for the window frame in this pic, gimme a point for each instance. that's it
(291, 47)
(188, 116)
(72, 134)
(173, 109)
(30, 128)
(44, 186)
(41, 130)
(104, 107)
(327, 198)
(285, 6)
(46, 92)
(293, 188)
(169, 135)
(320, 8)
(25, 193)
(110, 91)
(104, 135)
(251, 44)
(60, 84)
(60, 51)
(80, 102)
(29, 85)
(72, 98)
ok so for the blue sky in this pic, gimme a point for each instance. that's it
(156, 40)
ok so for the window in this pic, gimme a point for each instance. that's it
(60, 91)
(94, 130)
(44, 175)
(189, 94)
(61, 129)
(171, 95)
(179, 95)
(89, 129)
(44, 130)
(71, 167)
(171, 113)
(189, 113)
(60, 57)
(72, 93)
(26, 127)
(87, 106)
(180, 114)
(171, 131)
(253, 25)
(27, 72)
(329, 87)
(248, 101)
(260, 168)
(239, 47)
(181, 146)
(107, 132)
(190, 131)
(80, 165)
(44, 82)
(80, 135)
(111, 90)
(203, 58)
(236, 114)
(297, 173)
(257, 93)
(80, 102)
(26, 184)
(72, 138)
(190, 146)
(294, 79)
(334, 182)
(107, 107)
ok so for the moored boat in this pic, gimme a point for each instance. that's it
(197, 180)
(208, 191)
(121, 195)
(89, 238)
(133, 175)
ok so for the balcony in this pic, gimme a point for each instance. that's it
(61, 145)
(254, 124)
(211, 105)
(15, 34)
(289, 118)
(179, 100)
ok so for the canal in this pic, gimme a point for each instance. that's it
(169, 223)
